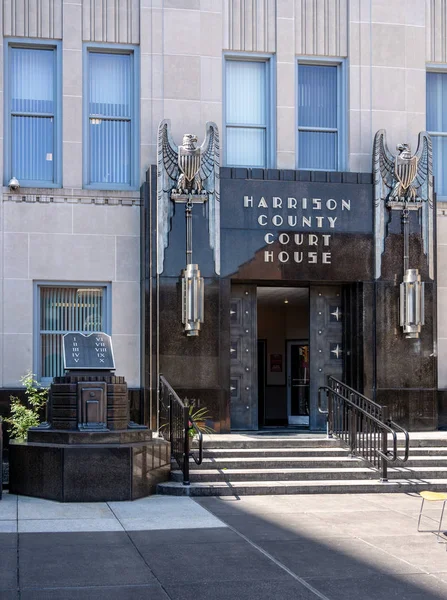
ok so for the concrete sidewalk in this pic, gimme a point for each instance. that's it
(331, 547)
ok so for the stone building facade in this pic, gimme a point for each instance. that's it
(81, 234)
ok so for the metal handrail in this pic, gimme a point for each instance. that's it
(363, 425)
(176, 427)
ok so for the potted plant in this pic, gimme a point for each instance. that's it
(199, 415)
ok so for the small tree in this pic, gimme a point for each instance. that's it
(22, 416)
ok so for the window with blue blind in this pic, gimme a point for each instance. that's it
(32, 122)
(247, 113)
(62, 309)
(437, 127)
(318, 117)
(111, 132)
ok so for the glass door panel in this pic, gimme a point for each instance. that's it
(298, 382)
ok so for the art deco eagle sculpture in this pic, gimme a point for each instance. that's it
(188, 170)
(403, 181)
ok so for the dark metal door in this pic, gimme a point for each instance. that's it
(326, 344)
(243, 363)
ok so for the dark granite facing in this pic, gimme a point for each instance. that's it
(442, 409)
(350, 208)
(54, 436)
(35, 472)
(403, 362)
(244, 251)
(173, 340)
(416, 410)
(295, 175)
(86, 473)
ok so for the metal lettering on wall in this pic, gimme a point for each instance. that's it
(243, 367)
(303, 212)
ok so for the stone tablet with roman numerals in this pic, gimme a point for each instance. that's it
(88, 352)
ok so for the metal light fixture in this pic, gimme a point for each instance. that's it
(192, 299)
(412, 303)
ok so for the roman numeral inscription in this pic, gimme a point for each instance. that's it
(88, 352)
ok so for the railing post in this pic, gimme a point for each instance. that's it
(186, 446)
(352, 428)
(384, 449)
(330, 415)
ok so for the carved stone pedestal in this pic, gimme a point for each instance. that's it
(88, 451)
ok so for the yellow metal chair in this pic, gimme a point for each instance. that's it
(433, 497)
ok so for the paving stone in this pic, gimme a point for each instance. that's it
(210, 563)
(81, 565)
(7, 527)
(41, 541)
(216, 535)
(244, 590)
(420, 550)
(8, 569)
(37, 508)
(149, 592)
(283, 527)
(382, 587)
(68, 525)
(350, 557)
(8, 540)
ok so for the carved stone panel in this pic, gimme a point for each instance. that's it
(326, 343)
(243, 357)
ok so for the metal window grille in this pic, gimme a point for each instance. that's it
(64, 309)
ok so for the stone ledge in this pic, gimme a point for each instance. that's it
(72, 196)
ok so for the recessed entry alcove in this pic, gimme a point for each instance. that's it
(283, 356)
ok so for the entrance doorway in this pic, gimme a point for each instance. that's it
(284, 342)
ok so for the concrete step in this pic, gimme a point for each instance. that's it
(317, 474)
(220, 442)
(248, 488)
(277, 462)
(274, 452)
(322, 461)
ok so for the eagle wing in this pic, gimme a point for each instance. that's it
(167, 175)
(423, 184)
(383, 166)
(383, 170)
(209, 174)
(424, 173)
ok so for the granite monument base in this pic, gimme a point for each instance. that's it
(100, 470)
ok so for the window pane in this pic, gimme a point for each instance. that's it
(32, 80)
(246, 147)
(439, 158)
(109, 151)
(317, 96)
(32, 148)
(63, 310)
(317, 150)
(437, 101)
(110, 84)
(246, 93)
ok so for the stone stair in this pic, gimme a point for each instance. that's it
(239, 465)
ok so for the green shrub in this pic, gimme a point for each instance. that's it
(25, 416)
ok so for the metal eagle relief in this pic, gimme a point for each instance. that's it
(188, 173)
(403, 182)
